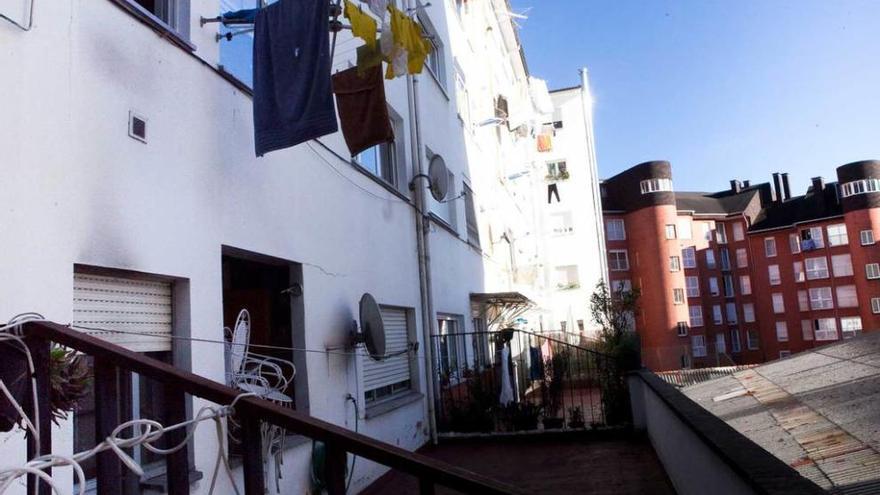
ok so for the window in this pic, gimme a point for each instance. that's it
(720, 233)
(462, 98)
(173, 13)
(841, 265)
(444, 210)
(685, 230)
(655, 185)
(872, 270)
(725, 259)
(850, 326)
(450, 347)
(674, 264)
(707, 230)
(778, 303)
(798, 268)
(618, 260)
(678, 296)
(695, 314)
(837, 234)
(820, 298)
(580, 324)
(875, 305)
(738, 231)
(716, 314)
(567, 277)
(811, 238)
(693, 286)
(794, 243)
(803, 301)
(682, 328)
(720, 345)
(742, 258)
(731, 313)
(781, 331)
(752, 339)
(561, 223)
(713, 286)
(616, 229)
(689, 257)
(784, 354)
(434, 62)
(866, 237)
(670, 231)
(735, 345)
(773, 272)
(698, 345)
(392, 377)
(862, 186)
(748, 312)
(729, 290)
(473, 229)
(745, 284)
(621, 286)
(817, 268)
(769, 247)
(825, 329)
(557, 170)
(807, 329)
(710, 258)
(382, 160)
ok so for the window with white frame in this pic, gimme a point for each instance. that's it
(682, 329)
(450, 347)
(674, 264)
(685, 230)
(689, 257)
(841, 265)
(837, 234)
(794, 243)
(875, 305)
(616, 229)
(784, 354)
(807, 329)
(748, 312)
(678, 296)
(866, 237)
(803, 301)
(567, 277)
(811, 238)
(862, 186)
(698, 345)
(695, 314)
(729, 290)
(670, 231)
(716, 314)
(618, 260)
(473, 229)
(731, 313)
(693, 286)
(735, 345)
(781, 331)
(850, 326)
(769, 247)
(462, 98)
(435, 60)
(798, 269)
(778, 303)
(773, 272)
(655, 185)
(391, 377)
(745, 284)
(720, 344)
(720, 233)
(561, 223)
(742, 258)
(820, 298)
(872, 270)
(713, 286)
(817, 268)
(707, 230)
(738, 234)
(825, 329)
(725, 259)
(621, 286)
(710, 258)
(752, 339)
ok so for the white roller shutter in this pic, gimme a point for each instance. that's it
(142, 308)
(395, 369)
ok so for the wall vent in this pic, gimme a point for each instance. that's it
(137, 127)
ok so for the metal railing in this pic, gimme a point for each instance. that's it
(551, 383)
(110, 360)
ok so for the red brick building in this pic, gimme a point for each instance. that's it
(748, 274)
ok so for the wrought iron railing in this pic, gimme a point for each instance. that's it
(548, 383)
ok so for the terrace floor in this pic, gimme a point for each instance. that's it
(557, 465)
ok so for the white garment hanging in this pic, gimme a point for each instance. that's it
(378, 7)
(506, 390)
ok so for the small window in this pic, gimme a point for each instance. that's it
(748, 312)
(872, 270)
(561, 223)
(434, 62)
(382, 160)
(670, 231)
(866, 237)
(770, 247)
(716, 315)
(825, 329)
(807, 329)
(742, 258)
(674, 264)
(841, 265)
(695, 314)
(710, 258)
(567, 277)
(863, 186)
(875, 305)
(850, 327)
(682, 327)
(693, 286)
(698, 345)
(621, 286)
(713, 286)
(837, 235)
(798, 269)
(721, 233)
(720, 344)
(752, 339)
(803, 301)
(689, 257)
(820, 298)
(784, 354)
(392, 377)
(169, 12)
(773, 272)
(735, 345)
(616, 229)
(731, 313)
(655, 185)
(817, 268)
(729, 290)
(725, 259)
(473, 229)
(778, 303)
(745, 284)
(811, 238)
(781, 331)
(678, 296)
(618, 260)
(794, 243)
(738, 231)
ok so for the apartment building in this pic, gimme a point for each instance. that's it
(747, 274)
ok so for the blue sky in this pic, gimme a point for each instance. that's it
(722, 89)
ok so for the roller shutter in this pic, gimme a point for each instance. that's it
(393, 370)
(141, 308)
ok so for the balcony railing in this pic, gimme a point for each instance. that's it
(110, 360)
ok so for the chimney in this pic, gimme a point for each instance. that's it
(777, 187)
(747, 184)
(818, 184)
(735, 186)
(785, 187)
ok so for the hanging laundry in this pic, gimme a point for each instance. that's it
(243, 15)
(363, 111)
(536, 364)
(545, 142)
(378, 7)
(293, 97)
(362, 25)
(506, 395)
(368, 57)
(410, 48)
(552, 190)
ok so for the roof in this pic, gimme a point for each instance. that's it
(808, 207)
(816, 411)
(500, 298)
(720, 203)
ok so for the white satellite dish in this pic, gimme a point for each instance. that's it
(372, 332)
(438, 175)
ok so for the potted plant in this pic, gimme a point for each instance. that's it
(576, 417)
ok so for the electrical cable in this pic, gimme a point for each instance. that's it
(391, 199)
(353, 456)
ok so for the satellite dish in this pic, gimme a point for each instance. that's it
(438, 175)
(372, 328)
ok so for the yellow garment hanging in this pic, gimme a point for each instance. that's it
(408, 39)
(362, 25)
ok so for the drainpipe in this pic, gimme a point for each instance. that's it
(598, 218)
(422, 228)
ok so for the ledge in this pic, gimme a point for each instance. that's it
(389, 405)
(154, 23)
